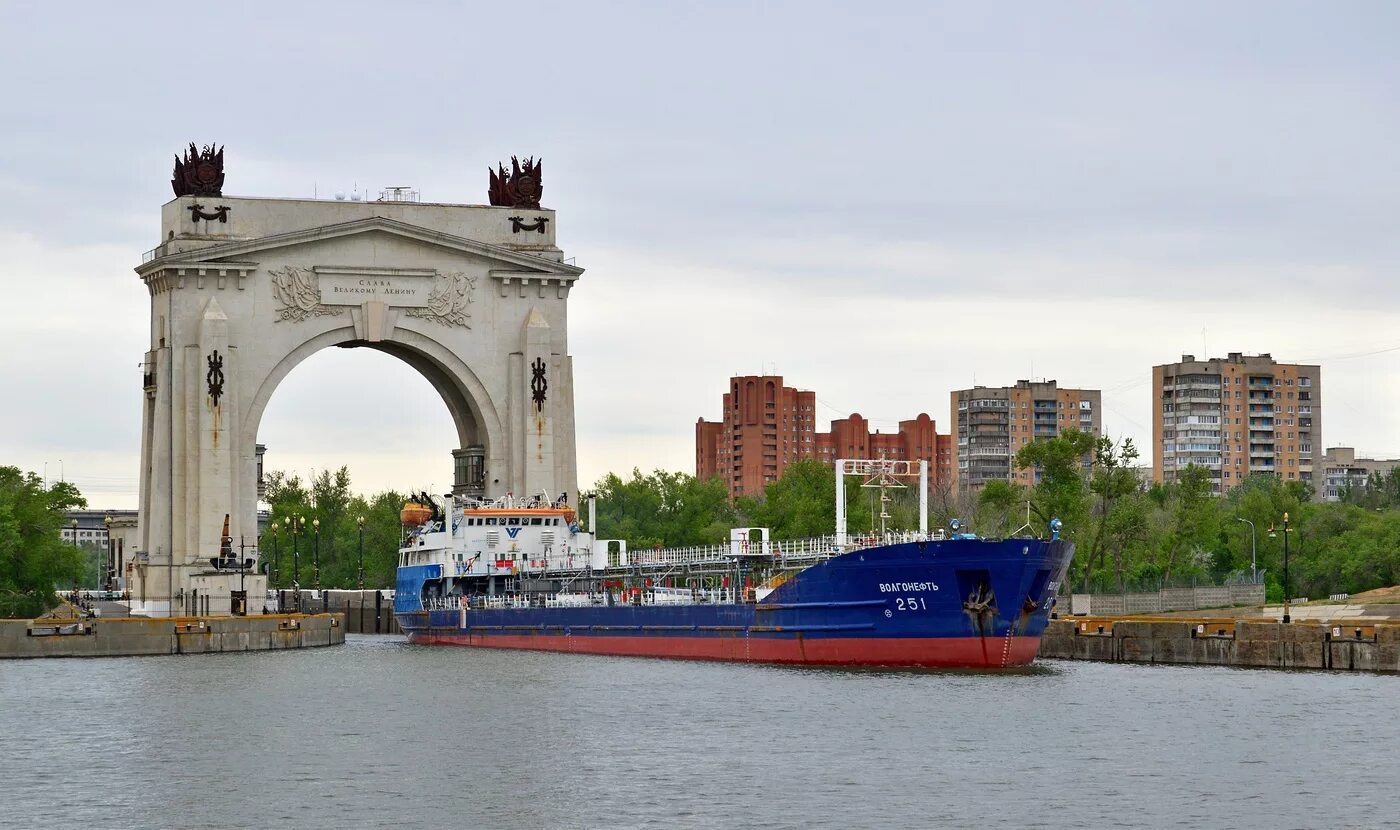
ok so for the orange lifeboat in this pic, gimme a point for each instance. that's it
(414, 514)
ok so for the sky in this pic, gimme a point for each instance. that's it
(880, 202)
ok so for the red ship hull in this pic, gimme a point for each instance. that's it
(908, 652)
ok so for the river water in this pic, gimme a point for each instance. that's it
(378, 733)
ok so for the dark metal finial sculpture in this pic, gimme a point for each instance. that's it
(200, 172)
(519, 187)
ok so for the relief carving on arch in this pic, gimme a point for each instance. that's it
(299, 292)
(449, 301)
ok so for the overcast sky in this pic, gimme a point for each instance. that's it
(881, 202)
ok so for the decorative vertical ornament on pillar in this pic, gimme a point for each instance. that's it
(215, 377)
(538, 349)
(539, 385)
(209, 444)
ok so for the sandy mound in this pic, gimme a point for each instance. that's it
(1377, 596)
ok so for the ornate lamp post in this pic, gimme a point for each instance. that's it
(296, 562)
(108, 583)
(276, 532)
(316, 559)
(1287, 618)
(360, 522)
(73, 525)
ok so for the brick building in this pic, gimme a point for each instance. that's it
(767, 426)
(1235, 416)
(992, 423)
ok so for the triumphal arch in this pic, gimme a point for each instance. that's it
(473, 297)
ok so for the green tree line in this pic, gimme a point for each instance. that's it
(1134, 535)
(319, 520)
(1130, 535)
(34, 560)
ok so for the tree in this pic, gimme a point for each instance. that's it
(663, 508)
(34, 559)
(1120, 523)
(1195, 520)
(330, 500)
(1061, 491)
(800, 504)
(997, 503)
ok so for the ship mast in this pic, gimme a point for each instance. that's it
(882, 473)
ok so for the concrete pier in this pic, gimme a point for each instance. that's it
(1226, 642)
(138, 636)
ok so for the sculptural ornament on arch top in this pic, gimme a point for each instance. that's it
(473, 297)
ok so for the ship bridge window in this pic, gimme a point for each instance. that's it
(513, 521)
(534, 521)
(490, 520)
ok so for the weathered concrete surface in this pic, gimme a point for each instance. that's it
(1216, 641)
(138, 636)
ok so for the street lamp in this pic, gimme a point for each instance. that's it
(360, 521)
(111, 555)
(296, 562)
(1286, 591)
(1253, 551)
(316, 559)
(276, 528)
(73, 524)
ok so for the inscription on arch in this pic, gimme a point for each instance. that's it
(302, 293)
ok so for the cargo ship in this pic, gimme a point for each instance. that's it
(523, 574)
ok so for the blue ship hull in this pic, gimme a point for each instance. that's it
(952, 603)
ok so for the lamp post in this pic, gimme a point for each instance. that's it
(315, 557)
(296, 563)
(1253, 551)
(73, 525)
(107, 584)
(276, 528)
(1287, 618)
(360, 522)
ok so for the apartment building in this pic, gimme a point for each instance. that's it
(1342, 470)
(992, 423)
(1236, 416)
(768, 425)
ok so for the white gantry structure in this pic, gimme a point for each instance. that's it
(244, 289)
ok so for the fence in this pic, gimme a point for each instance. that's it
(1168, 599)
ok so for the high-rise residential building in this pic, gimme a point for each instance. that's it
(1341, 471)
(1236, 416)
(992, 423)
(767, 426)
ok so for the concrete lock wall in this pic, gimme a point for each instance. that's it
(1225, 642)
(180, 635)
(365, 612)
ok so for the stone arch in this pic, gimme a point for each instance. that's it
(477, 421)
(466, 397)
